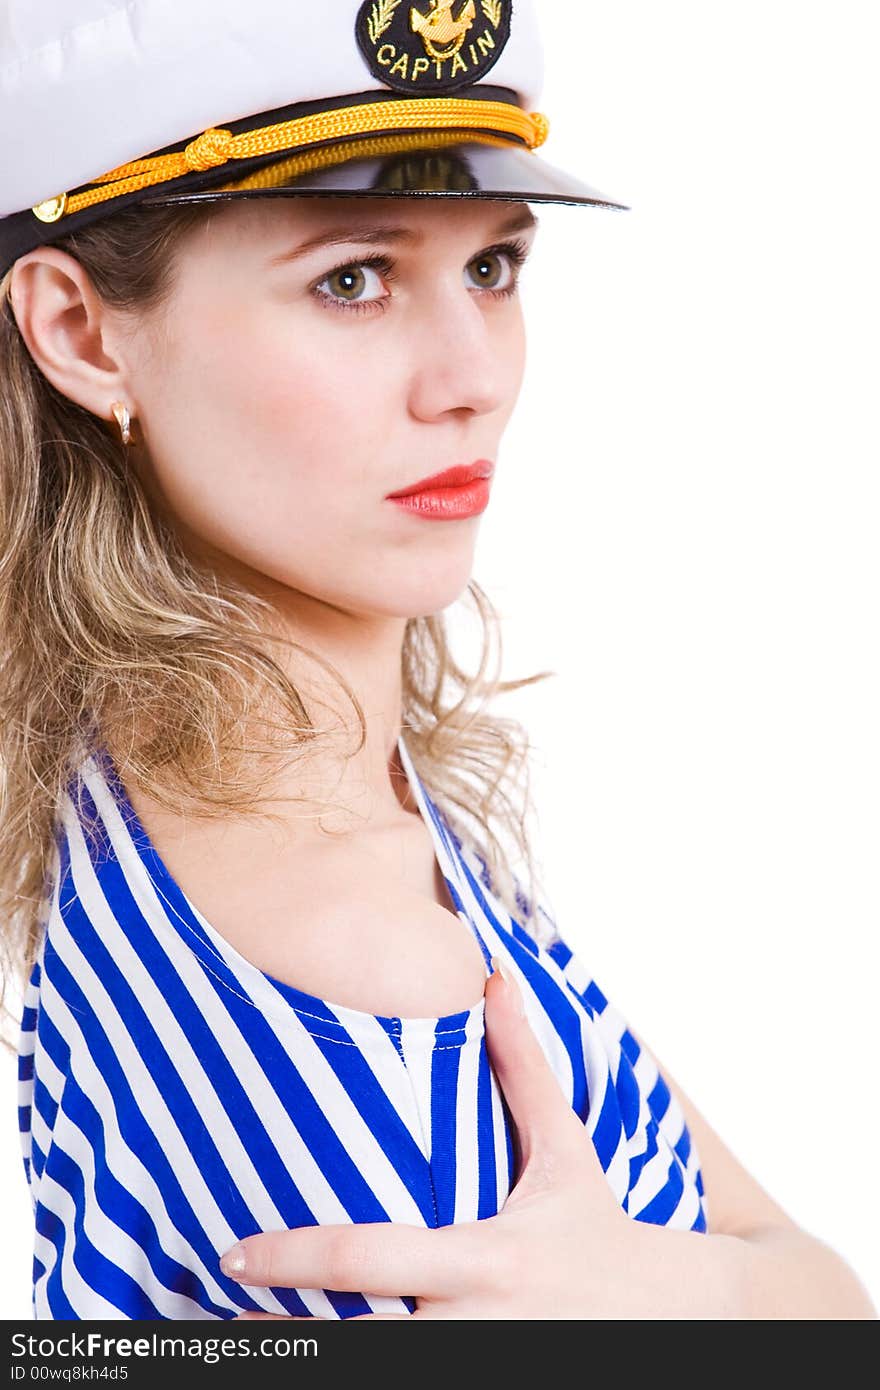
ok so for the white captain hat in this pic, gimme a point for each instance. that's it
(111, 103)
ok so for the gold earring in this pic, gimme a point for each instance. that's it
(123, 420)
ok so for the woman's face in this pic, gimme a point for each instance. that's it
(315, 356)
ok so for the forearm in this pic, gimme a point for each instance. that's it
(773, 1272)
(788, 1273)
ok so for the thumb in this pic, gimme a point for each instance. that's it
(546, 1125)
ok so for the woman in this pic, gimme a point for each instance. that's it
(271, 1054)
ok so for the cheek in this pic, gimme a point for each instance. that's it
(276, 374)
(269, 424)
(513, 350)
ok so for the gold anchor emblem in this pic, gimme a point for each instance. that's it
(442, 35)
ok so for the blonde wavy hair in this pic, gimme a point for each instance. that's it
(111, 636)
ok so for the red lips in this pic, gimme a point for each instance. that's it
(458, 476)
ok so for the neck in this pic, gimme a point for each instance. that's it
(368, 784)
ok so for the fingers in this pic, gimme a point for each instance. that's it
(277, 1317)
(382, 1317)
(374, 1258)
(302, 1317)
(545, 1122)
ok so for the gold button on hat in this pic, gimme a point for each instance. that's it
(117, 103)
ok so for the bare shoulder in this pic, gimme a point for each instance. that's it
(362, 919)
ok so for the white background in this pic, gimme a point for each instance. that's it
(683, 526)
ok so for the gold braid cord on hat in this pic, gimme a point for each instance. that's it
(217, 146)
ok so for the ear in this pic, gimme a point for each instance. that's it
(73, 336)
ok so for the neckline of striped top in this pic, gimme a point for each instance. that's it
(162, 900)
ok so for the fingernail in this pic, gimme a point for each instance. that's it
(233, 1262)
(510, 985)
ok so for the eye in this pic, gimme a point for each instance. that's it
(357, 286)
(497, 269)
(490, 270)
(359, 282)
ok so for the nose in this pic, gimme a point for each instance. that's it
(462, 360)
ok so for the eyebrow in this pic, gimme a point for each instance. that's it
(520, 221)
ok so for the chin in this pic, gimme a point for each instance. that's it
(418, 600)
(431, 596)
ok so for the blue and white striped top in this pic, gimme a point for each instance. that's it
(174, 1098)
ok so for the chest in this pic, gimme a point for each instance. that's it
(363, 920)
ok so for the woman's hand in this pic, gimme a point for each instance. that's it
(561, 1246)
